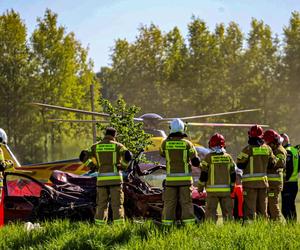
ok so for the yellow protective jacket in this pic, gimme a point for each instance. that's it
(217, 173)
(109, 158)
(1, 155)
(254, 161)
(275, 175)
(178, 153)
(4, 164)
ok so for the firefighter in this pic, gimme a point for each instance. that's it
(290, 186)
(3, 163)
(218, 177)
(3, 139)
(109, 157)
(180, 154)
(275, 175)
(254, 160)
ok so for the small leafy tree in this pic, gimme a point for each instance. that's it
(129, 132)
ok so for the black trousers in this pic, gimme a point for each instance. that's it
(289, 193)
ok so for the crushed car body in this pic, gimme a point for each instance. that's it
(74, 196)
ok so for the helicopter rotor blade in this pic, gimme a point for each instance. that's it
(77, 121)
(80, 111)
(206, 124)
(212, 115)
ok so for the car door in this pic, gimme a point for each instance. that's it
(22, 194)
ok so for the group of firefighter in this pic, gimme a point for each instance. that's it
(267, 166)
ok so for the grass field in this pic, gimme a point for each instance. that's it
(146, 235)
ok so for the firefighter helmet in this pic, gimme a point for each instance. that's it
(3, 136)
(286, 139)
(272, 136)
(256, 132)
(177, 125)
(217, 140)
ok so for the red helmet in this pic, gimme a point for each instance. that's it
(256, 131)
(271, 136)
(217, 140)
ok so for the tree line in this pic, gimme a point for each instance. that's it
(48, 66)
(211, 71)
(208, 71)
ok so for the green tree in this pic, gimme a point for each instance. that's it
(290, 75)
(129, 132)
(137, 69)
(261, 64)
(173, 80)
(62, 77)
(16, 73)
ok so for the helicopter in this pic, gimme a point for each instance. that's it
(42, 171)
(151, 121)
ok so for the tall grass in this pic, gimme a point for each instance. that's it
(146, 235)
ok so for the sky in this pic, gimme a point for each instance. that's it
(98, 23)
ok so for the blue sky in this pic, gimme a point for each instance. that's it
(98, 23)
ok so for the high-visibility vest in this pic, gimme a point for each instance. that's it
(114, 175)
(252, 174)
(216, 163)
(295, 154)
(179, 145)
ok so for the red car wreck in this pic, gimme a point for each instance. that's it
(73, 196)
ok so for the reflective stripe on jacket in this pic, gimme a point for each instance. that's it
(295, 155)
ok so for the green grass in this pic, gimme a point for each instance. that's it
(146, 235)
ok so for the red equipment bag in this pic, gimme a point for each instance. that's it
(238, 198)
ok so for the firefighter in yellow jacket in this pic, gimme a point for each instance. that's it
(218, 176)
(4, 164)
(180, 154)
(254, 160)
(108, 157)
(275, 175)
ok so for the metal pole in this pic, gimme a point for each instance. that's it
(93, 109)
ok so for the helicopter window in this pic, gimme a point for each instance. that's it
(202, 151)
(156, 133)
(154, 156)
(156, 178)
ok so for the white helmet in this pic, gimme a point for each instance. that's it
(3, 136)
(177, 125)
(285, 139)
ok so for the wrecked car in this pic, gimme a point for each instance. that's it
(74, 196)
